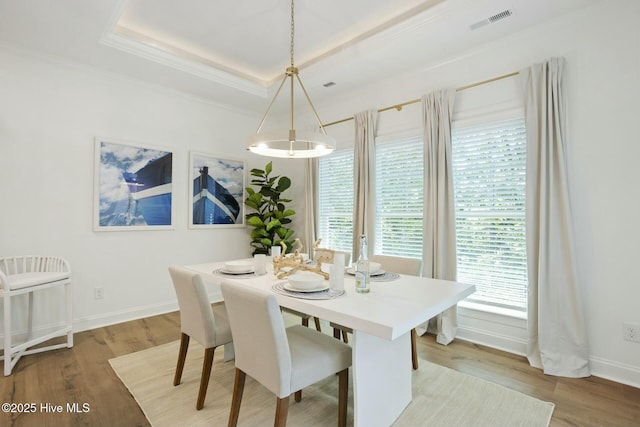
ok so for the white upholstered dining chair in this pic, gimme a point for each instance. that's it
(401, 265)
(328, 255)
(28, 275)
(395, 264)
(198, 320)
(282, 360)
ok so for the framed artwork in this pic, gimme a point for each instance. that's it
(132, 186)
(216, 191)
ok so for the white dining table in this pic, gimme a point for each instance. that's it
(381, 321)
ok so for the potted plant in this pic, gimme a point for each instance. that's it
(270, 220)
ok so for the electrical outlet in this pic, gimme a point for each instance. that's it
(631, 332)
(98, 293)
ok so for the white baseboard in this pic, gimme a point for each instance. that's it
(107, 319)
(603, 368)
(614, 371)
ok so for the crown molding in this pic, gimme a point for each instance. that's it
(196, 67)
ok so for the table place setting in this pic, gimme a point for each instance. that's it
(309, 285)
(378, 276)
(376, 273)
(240, 269)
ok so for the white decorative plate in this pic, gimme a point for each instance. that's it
(352, 272)
(235, 272)
(292, 288)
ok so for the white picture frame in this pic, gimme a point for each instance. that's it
(216, 191)
(133, 186)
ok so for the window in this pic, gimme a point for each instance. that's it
(489, 188)
(335, 200)
(399, 196)
(489, 195)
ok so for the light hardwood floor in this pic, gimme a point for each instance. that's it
(83, 375)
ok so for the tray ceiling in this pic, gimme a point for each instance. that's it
(234, 52)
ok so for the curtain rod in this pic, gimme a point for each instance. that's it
(398, 107)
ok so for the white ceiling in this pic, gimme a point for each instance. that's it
(235, 52)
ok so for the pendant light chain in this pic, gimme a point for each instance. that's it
(292, 32)
(293, 72)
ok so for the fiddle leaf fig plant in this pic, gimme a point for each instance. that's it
(271, 216)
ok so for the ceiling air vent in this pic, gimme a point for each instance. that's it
(490, 20)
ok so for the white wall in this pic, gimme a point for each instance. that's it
(603, 59)
(50, 113)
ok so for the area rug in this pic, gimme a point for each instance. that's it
(441, 396)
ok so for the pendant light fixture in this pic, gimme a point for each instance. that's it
(292, 143)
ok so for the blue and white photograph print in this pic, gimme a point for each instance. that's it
(134, 186)
(217, 189)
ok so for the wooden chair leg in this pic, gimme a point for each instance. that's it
(337, 332)
(204, 379)
(282, 410)
(298, 395)
(236, 399)
(414, 349)
(343, 395)
(182, 355)
(318, 327)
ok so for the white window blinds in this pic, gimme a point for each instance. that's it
(489, 185)
(335, 200)
(399, 194)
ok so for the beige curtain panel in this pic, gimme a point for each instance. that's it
(363, 179)
(310, 204)
(439, 241)
(557, 335)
